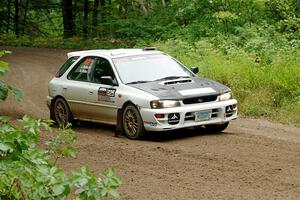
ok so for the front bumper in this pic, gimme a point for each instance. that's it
(219, 114)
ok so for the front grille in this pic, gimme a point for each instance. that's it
(202, 99)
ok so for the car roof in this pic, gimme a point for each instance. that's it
(114, 53)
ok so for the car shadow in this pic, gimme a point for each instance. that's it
(94, 126)
(178, 134)
(162, 136)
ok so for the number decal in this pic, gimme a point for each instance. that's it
(105, 94)
(111, 92)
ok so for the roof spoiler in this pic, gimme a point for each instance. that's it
(79, 53)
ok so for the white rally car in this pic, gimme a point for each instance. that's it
(137, 90)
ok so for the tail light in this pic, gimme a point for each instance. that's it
(159, 116)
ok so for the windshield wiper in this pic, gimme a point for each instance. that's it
(171, 78)
(136, 82)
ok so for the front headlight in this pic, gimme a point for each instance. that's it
(225, 96)
(164, 104)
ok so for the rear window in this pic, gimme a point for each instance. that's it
(66, 66)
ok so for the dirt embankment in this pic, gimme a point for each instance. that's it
(252, 159)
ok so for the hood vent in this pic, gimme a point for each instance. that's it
(178, 82)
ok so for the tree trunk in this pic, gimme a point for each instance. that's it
(163, 2)
(25, 15)
(8, 16)
(17, 17)
(68, 20)
(75, 10)
(297, 5)
(95, 13)
(102, 2)
(85, 18)
(102, 10)
(142, 3)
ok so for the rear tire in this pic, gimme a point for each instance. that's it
(133, 125)
(217, 127)
(61, 113)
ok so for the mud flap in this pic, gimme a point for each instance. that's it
(119, 126)
(52, 111)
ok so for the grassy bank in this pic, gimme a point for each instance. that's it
(264, 89)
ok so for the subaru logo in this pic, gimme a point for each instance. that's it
(200, 100)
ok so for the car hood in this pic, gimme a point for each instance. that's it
(182, 88)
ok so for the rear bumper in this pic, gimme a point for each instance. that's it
(221, 112)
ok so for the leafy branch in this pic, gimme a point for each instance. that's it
(6, 89)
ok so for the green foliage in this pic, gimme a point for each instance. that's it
(89, 186)
(6, 89)
(59, 145)
(26, 171)
(226, 17)
(286, 15)
(290, 25)
(281, 9)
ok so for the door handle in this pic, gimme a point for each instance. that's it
(91, 92)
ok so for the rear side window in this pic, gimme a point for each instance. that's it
(66, 66)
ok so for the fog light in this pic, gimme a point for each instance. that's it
(159, 116)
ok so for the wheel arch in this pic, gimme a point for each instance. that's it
(52, 105)
(119, 126)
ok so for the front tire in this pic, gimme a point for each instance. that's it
(132, 123)
(61, 113)
(216, 127)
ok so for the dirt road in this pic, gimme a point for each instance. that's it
(252, 159)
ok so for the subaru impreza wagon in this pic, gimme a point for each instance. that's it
(137, 90)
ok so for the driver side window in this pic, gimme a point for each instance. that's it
(93, 69)
(100, 70)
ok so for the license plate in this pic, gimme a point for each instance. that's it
(202, 115)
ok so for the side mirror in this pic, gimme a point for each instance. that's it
(195, 70)
(107, 80)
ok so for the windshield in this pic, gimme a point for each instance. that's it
(143, 68)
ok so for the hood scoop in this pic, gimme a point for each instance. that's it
(177, 82)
